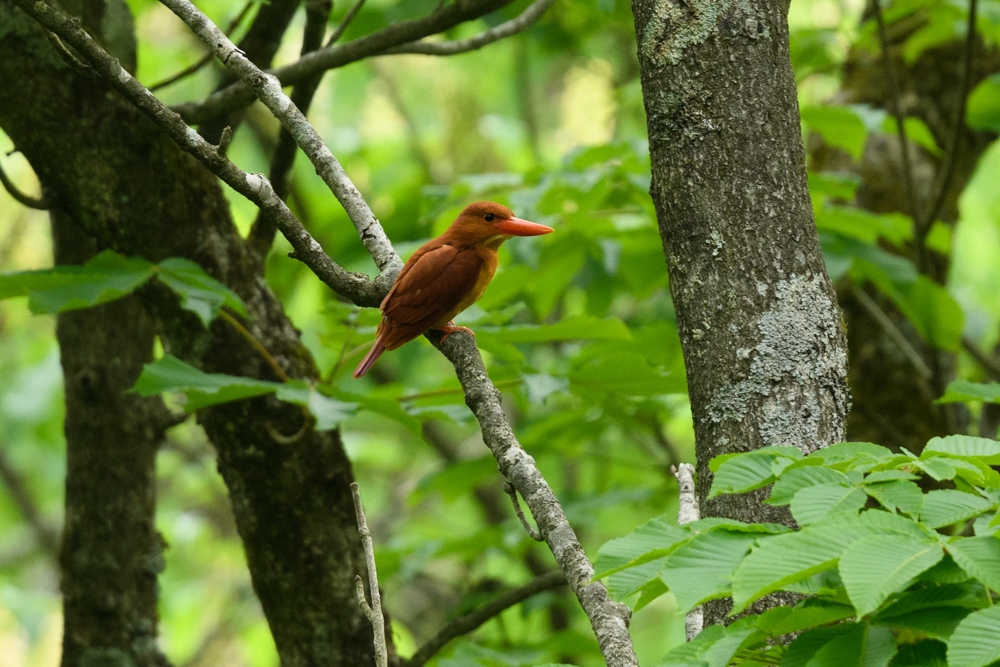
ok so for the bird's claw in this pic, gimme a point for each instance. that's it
(450, 328)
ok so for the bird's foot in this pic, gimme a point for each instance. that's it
(450, 328)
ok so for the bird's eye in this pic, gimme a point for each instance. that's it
(489, 217)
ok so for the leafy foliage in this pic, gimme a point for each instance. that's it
(887, 564)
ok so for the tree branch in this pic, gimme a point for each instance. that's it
(505, 29)
(47, 537)
(687, 512)
(990, 363)
(374, 611)
(27, 200)
(465, 624)
(357, 287)
(397, 34)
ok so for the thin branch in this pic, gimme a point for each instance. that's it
(923, 226)
(505, 29)
(893, 332)
(373, 612)
(255, 344)
(990, 363)
(268, 90)
(39, 203)
(47, 537)
(262, 232)
(509, 489)
(207, 58)
(339, 32)
(358, 287)
(465, 624)
(74, 64)
(686, 513)
(238, 95)
(895, 109)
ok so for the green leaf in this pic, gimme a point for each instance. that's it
(813, 503)
(738, 636)
(456, 480)
(200, 293)
(888, 475)
(839, 126)
(579, 327)
(937, 467)
(328, 411)
(862, 646)
(750, 470)
(926, 653)
(625, 374)
(701, 568)
(916, 131)
(962, 390)
(797, 479)
(898, 493)
(688, 652)
(983, 106)
(976, 640)
(845, 451)
(875, 567)
(808, 614)
(650, 592)
(947, 506)
(978, 556)
(629, 551)
(964, 446)
(170, 374)
(105, 277)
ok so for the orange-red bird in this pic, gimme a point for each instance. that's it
(445, 276)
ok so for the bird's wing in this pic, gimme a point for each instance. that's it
(429, 288)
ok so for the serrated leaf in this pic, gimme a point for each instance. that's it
(843, 451)
(976, 640)
(631, 550)
(926, 653)
(688, 652)
(739, 635)
(784, 620)
(105, 277)
(743, 472)
(937, 467)
(802, 651)
(200, 293)
(863, 646)
(814, 503)
(875, 567)
(701, 568)
(979, 557)
(898, 493)
(962, 390)
(732, 525)
(964, 446)
(650, 592)
(797, 479)
(947, 506)
(170, 374)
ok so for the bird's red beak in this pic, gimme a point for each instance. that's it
(518, 227)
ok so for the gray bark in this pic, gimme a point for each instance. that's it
(764, 346)
(127, 186)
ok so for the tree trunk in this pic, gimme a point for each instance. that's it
(764, 346)
(131, 189)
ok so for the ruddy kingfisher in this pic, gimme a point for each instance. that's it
(445, 276)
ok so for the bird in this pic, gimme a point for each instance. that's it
(445, 276)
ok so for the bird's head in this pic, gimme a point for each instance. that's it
(491, 224)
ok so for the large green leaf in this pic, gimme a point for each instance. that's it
(944, 507)
(814, 503)
(964, 446)
(875, 567)
(807, 614)
(979, 556)
(626, 374)
(983, 106)
(105, 277)
(328, 411)
(846, 451)
(802, 652)
(579, 327)
(701, 568)
(795, 480)
(839, 126)
(653, 537)
(743, 472)
(897, 493)
(976, 640)
(963, 390)
(200, 293)
(925, 653)
(863, 646)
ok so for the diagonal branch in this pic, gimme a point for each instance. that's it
(463, 625)
(39, 203)
(609, 619)
(505, 29)
(397, 34)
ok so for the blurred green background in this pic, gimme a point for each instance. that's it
(577, 328)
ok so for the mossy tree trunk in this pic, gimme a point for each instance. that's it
(763, 341)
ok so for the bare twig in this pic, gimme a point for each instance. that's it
(238, 95)
(74, 63)
(896, 110)
(984, 359)
(359, 288)
(509, 489)
(466, 624)
(686, 513)
(922, 226)
(374, 611)
(339, 32)
(255, 344)
(207, 58)
(48, 537)
(505, 29)
(893, 332)
(39, 203)
(268, 89)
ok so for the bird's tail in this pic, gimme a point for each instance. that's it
(370, 358)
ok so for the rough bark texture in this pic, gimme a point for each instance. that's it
(111, 551)
(764, 346)
(131, 189)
